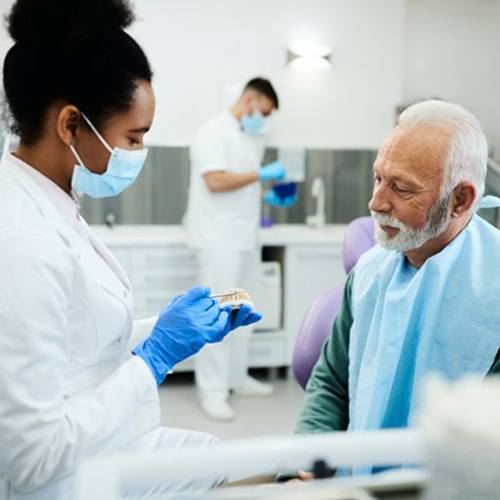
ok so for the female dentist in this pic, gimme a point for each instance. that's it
(77, 377)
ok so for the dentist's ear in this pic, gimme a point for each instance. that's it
(68, 121)
(463, 199)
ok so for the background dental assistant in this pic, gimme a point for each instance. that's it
(222, 221)
(78, 377)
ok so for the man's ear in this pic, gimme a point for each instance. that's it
(463, 199)
(68, 121)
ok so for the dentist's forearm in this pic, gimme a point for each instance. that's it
(220, 182)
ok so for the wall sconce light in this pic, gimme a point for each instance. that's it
(309, 58)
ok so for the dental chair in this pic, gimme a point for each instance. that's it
(318, 320)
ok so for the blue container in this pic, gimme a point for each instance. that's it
(285, 190)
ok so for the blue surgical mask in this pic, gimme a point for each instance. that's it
(252, 124)
(124, 166)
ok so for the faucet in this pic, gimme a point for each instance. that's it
(110, 220)
(318, 192)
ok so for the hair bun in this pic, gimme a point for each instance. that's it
(43, 22)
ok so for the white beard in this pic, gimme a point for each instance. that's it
(408, 238)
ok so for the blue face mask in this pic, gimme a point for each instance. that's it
(252, 124)
(124, 166)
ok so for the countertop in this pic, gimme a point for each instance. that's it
(175, 235)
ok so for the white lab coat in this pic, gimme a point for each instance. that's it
(69, 388)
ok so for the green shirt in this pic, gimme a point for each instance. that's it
(326, 406)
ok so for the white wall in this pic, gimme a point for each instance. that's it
(452, 51)
(384, 52)
(197, 46)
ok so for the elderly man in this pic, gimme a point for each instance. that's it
(426, 299)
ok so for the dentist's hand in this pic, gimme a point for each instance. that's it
(244, 316)
(183, 327)
(274, 171)
(271, 198)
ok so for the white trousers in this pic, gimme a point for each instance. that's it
(221, 367)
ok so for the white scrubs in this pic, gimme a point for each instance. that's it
(223, 228)
(69, 387)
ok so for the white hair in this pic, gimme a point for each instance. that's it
(468, 149)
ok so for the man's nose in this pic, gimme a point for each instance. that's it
(380, 201)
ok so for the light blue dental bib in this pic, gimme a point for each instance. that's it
(408, 323)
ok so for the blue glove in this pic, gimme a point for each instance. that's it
(189, 322)
(243, 316)
(271, 198)
(274, 171)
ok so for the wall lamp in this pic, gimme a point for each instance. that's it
(310, 58)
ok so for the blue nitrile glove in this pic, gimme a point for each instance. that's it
(271, 198)
(274, 171)
(183, 327)
(243, 316)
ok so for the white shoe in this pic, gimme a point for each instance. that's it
(252, 387)
(216, 407)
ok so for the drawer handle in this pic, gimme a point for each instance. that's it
(162, 260)
(259, 352)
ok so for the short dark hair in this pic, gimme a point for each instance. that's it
(264, 87)
(73, 51)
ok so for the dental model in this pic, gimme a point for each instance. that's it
(236, 297)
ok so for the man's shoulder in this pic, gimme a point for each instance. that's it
(218, 124)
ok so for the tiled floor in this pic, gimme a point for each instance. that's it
(255, 416)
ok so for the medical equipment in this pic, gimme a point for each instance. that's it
(285, 190)
(282, 195)
(271, 198)
(101, 478)
(235, 298)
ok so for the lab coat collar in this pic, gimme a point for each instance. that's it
(65, 231)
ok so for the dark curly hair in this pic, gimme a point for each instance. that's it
(73, 51)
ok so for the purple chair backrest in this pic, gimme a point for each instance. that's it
(318, 320)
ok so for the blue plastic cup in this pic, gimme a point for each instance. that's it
(285, 190)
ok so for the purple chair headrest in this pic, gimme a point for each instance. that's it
(359, 237)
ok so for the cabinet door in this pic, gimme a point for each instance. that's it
(163, 257)
(309, 270)
(158, 274)
(158, 278)
(151, 302)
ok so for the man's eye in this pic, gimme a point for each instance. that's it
(377, 179)
(401, 190)
(132, 141)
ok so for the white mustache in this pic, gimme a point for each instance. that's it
(388, 220)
